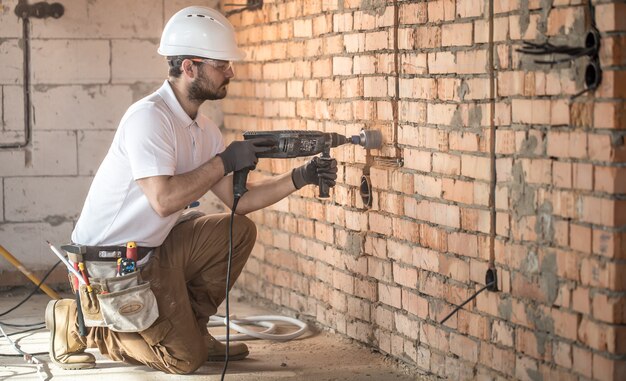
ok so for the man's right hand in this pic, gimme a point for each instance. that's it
(242, 153)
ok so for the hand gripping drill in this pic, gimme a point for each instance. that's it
(290, 144)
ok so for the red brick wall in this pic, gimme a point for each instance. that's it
(437, 77)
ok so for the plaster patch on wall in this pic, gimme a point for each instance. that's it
(534, 374)
(549, 280)
(522, 195)
(505, 308)
(535, 315)
(530, 263)
(475, 116)
(529, 145)
(56, 220)
(373, 7)
(546, 7)
(524, 17)
(575, 36)
(436, 307)
(463, 90)
(544, 225)
(354, 243)
(541, 339)
(457, 120)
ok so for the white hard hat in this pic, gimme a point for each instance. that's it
(201, 32)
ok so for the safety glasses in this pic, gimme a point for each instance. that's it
(223, 66)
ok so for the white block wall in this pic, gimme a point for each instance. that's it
(87, 67)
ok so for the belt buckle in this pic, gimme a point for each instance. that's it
(107, 254)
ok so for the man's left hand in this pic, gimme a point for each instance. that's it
(314, 170)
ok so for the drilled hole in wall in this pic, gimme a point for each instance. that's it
(592, 40)
(366, 191)
(593, 75)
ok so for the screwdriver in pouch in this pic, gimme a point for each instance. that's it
(131, 251)
(81, 266)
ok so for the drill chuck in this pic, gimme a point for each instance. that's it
(368, 139)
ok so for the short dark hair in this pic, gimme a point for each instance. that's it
(175, 62)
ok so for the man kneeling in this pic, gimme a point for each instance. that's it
(164, 156)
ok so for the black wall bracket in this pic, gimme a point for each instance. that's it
(39, 10)
(249, 5)
(491, 279)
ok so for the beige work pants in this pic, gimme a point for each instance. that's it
(188, 277)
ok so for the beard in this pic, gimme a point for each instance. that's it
(204, 89)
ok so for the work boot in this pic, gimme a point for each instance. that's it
(67, 350)
(217, 350)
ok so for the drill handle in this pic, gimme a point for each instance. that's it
(323, 186)
(240, 178)
(324, 189)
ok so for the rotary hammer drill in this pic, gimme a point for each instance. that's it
(290, 144)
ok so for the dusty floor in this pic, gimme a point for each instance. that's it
(313, 356)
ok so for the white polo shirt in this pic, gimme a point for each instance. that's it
(155, 137)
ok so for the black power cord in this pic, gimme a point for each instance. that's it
(18, 333)
(35, 325)
(32, 354)
(467, 301)
(230, 257)
(591, 48)
(22, 325)
(250, 5)
(31, 294)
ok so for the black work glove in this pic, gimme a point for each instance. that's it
(242, 153)
(317, 168)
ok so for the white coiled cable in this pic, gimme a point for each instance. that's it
(238, 324)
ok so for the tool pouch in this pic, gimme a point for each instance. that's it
(121, 303)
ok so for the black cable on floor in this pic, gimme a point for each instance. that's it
(25, 331)
(32, 293)
(230, 257)
(16, 355)
(22, 325)
(26, 325)
(467, 301)
(21, 354)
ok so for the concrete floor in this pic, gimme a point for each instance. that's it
(313, 356)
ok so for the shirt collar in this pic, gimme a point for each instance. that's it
(172, 103)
